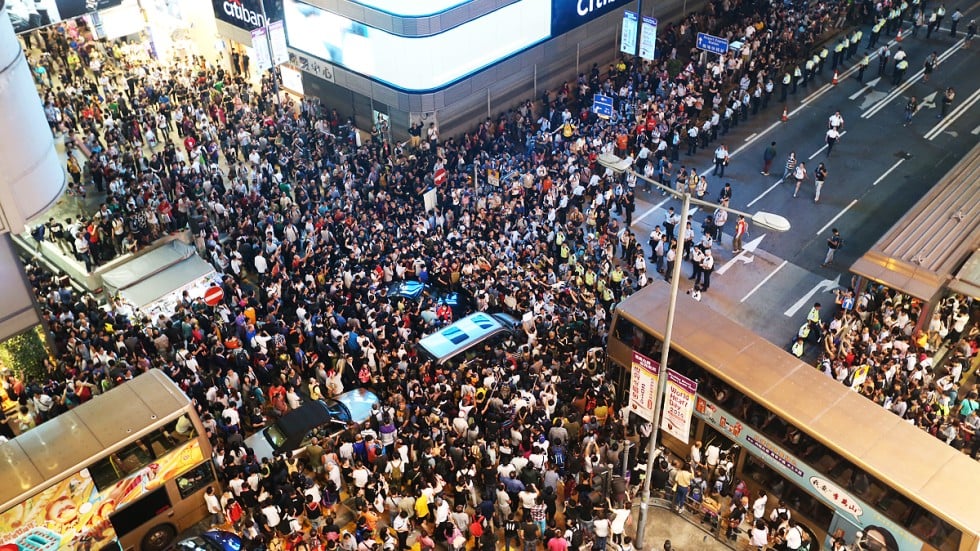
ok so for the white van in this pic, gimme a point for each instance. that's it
(464, 335)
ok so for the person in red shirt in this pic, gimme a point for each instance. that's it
(189, 143)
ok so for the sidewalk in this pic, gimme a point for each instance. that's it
(685, 532)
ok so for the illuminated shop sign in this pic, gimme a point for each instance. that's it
(246, 14)
(568, 14)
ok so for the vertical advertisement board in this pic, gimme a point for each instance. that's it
(643, 385)
(648, 38)
(678, 406)
(627, 40)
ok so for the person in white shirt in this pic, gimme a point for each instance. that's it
(214, 506)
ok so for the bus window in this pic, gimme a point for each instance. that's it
(132, 458)
(132, 517)
(194, 480)
(795, 497)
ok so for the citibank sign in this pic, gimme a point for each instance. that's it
(568, 14)
(246, 14)
(235, 10)
(585, 7)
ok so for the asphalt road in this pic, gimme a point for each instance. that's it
(877, 172)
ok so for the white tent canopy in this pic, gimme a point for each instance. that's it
(156, 274)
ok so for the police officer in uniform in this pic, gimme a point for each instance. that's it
(797, 74)
(787, 78)
(770, 86)
(863, 66)
(899, 72)
(823, 59)
(838, 54)
(855, 40)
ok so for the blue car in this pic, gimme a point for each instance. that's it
(460, 302)
(212, 540)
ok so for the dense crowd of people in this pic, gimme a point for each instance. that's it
(876, 344)
(308, 229)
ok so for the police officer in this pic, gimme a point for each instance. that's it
(838, 54)
(899, 57)
(770, 86)
(787, 78)
(824, 53)
(855, 40)
(797, 74)
(883, 55)
(933, 23)
(899, 72)
(875, 33)
(863, 66)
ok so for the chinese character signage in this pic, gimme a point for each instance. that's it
(845, 505)
(643, 385)
(678, 405)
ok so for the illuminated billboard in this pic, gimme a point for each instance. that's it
(422, 63)
(26, 15)
(412, 8)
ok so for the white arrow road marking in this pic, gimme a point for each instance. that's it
(743, 256)
(825, 285)
(928, 102)
(872, 98)
(870, 84)
(975, 131)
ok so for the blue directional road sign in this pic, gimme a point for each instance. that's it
(602, 105)
(713, 44)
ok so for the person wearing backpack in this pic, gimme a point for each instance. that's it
(834, 242)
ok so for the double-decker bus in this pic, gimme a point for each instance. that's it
(126, 470)
(840, 462)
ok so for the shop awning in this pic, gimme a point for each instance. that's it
(156, 274)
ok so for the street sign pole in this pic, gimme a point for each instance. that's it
(268, 41)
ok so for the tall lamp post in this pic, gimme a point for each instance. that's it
(766, 220)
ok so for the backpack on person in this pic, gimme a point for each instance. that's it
(558, 458)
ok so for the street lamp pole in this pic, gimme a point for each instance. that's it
(764, 219)
(675, 281)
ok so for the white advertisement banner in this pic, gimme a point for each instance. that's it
(643, 385)
(277, 35)
(627, 41)
(648, 38)
(678, 406)
(263, 59)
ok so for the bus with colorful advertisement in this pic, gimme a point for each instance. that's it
(843, 465)
(126, 470)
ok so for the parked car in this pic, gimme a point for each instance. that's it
(460, 302)
(294, 429)
(212, 540)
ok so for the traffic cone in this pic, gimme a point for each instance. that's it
(834, 82)
(785, 116)
(899, 37)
